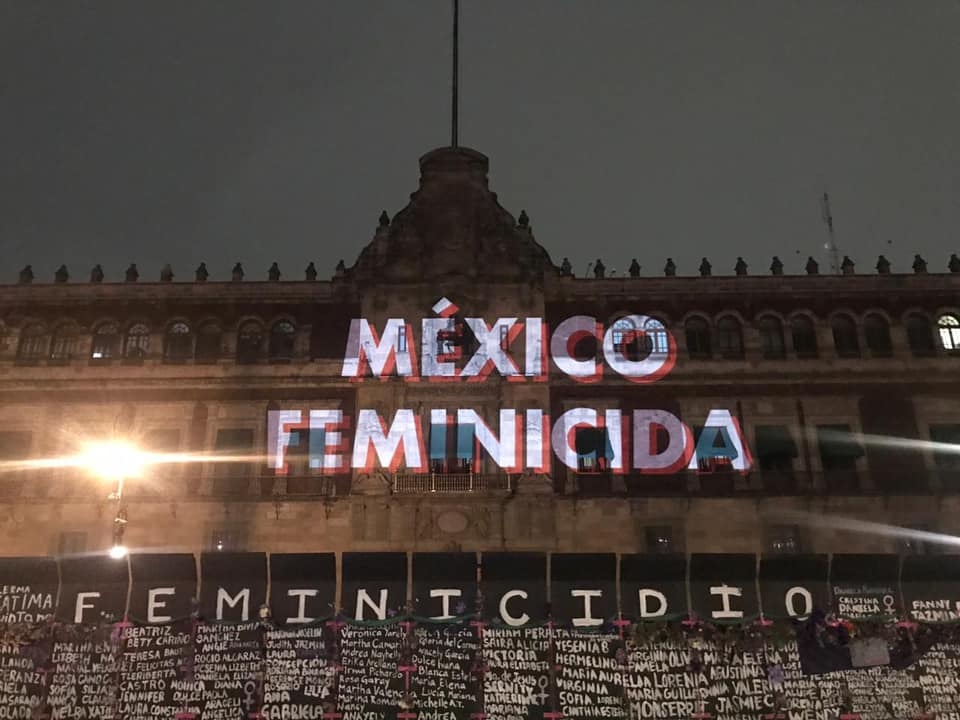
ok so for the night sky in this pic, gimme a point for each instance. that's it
(184, 131)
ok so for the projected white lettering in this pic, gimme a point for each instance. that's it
(636, 348)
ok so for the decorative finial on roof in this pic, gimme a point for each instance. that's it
(273, 273)
(953, 266)
(524, 219)
(237, 272)
(26, 275)
(384, 219)
(340, 270)
(132, 274)
(883, 265)
(741, 267)
(776, 267)
(96, 274)
(813, 267)
(61, 275)
(166, 273)
(919, 265)
(599, 269)
(634, 269)
(311, 272)
(201, 274)
(847, 267)
(706, 269)
(670, 269)
(566, 269)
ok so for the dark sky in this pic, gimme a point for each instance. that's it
(186, 130)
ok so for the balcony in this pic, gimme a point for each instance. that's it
(451, 483)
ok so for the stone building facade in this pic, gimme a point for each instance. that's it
(844, 387)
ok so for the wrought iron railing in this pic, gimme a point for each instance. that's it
(422, 483)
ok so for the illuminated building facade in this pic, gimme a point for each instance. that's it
(701, 413)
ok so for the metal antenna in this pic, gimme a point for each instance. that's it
(455, 100)
(831, 244)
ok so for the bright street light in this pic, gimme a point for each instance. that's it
(113, 460)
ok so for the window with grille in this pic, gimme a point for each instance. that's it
(948, 328)
(845, 338)
(178, 343)
(877, 333)
(136, 345)
(920, 336)
(33, 344)
(209, 339)
(729, 338)
(698, 338)
(282, 338)
(63, 344)
(106, 342)
(249, 343)
(771, 338)
(233, 460)
(776, 448)
(839, 450)
(158, 476)
(452, 448)
(804, 336)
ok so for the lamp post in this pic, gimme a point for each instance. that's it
(115, 462)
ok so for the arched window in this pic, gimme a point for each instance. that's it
(106, 341)
(282, 336)
(249, 342)
(698, 338)
(729, 338)
(845, 338)
(919, 336)
(804, 336)
(33, 344)
(771, 338)
(209, 340)
(136, 344)
(178, 343)
(877, 333)
(949, 329)
(63, 343)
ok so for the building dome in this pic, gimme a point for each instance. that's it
(452, 227)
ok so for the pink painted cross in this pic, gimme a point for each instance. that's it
(406, 670)
(332, 715)
(691, 621)
(850, 716)
(620, 624)
(478, 716)
(335, 624)
(185, 716)
(407, 716)
(763, 622)
(479, 625)
(702, 715)
(407, 625)
(552, 715)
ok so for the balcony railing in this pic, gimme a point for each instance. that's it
(423, 483)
